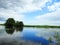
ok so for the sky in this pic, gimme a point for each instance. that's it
(31, 12)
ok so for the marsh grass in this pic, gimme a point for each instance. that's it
(56, 39)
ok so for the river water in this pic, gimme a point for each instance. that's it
(27, 36)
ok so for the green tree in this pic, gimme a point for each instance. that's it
(10, 22)
(19, 24)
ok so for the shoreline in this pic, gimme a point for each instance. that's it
(39, 26)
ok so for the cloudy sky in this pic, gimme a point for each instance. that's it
(31, 12)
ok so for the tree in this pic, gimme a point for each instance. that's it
(10, 22)
(19, 24)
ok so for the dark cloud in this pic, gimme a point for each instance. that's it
(10, 3)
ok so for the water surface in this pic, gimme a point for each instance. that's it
(26, 36)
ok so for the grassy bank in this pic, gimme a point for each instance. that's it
(1, 24)
(41, 26)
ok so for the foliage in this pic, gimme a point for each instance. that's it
(41, 26)
(10, 22)
(19, 24)
(50, 39)
(56, 37)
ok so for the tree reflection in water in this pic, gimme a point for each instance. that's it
(11, 30)
(19, 29)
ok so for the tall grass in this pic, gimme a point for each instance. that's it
(56, 39)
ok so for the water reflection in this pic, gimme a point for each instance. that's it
(28, 36)
(12, 29)
(19, 29)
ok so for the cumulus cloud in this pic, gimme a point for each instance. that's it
(15, 8)
(54, 6)
(52, 18)
(5, 14)
(25, 5)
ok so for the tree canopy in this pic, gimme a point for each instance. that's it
(10, 22)
(19, 24)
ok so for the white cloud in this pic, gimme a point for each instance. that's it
(33, 5)
(52, 18)
(11, 14)
(23, 5)
(54, 6)
(15, 8)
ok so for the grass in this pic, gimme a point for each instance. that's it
(56, 37)
(41, 26)
(1, 24)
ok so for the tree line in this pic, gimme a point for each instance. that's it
(10, 22)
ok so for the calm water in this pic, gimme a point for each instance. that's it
(26, 36)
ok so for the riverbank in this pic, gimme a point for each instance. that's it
(40, 26)
(1, 24)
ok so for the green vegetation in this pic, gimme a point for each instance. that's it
(50, 39)
(56, 38)
(41, 26)
(19, 24)
(1, 24)
(11, 23)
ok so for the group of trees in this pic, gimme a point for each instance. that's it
(10, 22)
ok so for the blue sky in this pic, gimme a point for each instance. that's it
(31, 12)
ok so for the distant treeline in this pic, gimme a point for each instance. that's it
(1, 24)
(10, 22)
(41, 26)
